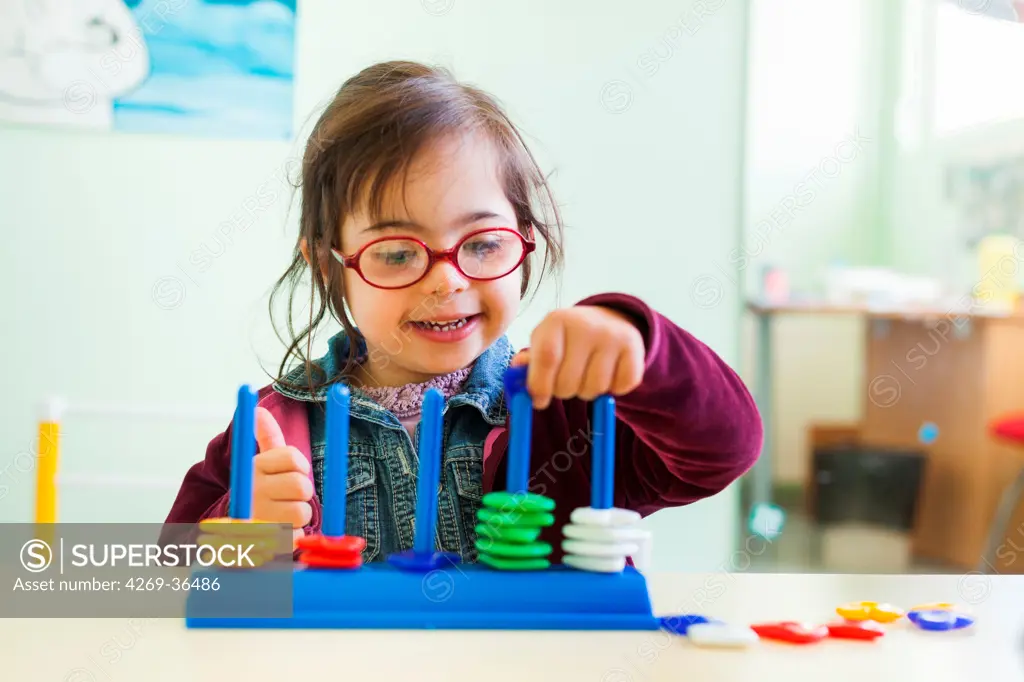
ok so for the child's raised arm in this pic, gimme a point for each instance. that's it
(690, 428)
(686, 427)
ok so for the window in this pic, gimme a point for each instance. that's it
(979, 64)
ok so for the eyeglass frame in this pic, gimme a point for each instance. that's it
(435, 256)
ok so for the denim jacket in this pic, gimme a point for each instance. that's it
(383, 458)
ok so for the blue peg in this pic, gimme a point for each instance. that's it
(243, 449)
(422, 557)
(336, 461)
(521, 428)
(603, 474)
(430, 472)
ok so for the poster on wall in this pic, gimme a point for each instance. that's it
(220, 68)
(1007, 10)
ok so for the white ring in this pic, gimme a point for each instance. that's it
(588, 516)
(721, 635)
(599, 549)
(575, 531)
(596, 564)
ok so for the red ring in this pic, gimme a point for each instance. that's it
(344, 544)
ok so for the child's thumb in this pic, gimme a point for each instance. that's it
(520, 358)
(268, 432)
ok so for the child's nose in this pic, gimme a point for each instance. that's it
(445, 279)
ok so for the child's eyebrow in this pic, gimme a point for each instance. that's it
(386, 224)
(474, 217)
(461, 221)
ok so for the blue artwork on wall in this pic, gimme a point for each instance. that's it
(197, 67)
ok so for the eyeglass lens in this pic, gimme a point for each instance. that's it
(395, 262)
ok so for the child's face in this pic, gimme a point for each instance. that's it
(450, 181)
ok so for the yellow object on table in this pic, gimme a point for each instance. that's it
(998, 266)
(870, 610)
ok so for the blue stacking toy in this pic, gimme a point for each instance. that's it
(422, 588)
(336, 462)
(242, 452)
(520, 408)
(422, 557)
(603, 485)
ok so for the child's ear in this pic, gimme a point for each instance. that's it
(304, 248)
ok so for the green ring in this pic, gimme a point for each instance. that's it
(514, 564)
(507, 534)
(511, 550)
(515, 519)
(524, 502)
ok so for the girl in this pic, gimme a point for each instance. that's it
(421, 213)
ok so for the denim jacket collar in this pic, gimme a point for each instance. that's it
(484, 388)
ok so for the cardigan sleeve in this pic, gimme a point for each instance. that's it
(690, 428)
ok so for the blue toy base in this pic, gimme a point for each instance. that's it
(381, 596)
(423, 562)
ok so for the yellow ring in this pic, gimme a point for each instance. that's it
(935, 606)
(258, 544)
(870, 610)
(247, 527)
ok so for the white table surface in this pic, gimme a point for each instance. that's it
(115, 650)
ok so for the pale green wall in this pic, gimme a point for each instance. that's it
(813, 138)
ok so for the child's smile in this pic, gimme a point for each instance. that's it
(447, 330)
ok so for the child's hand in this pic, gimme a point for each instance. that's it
(281, 487)
(582, 352)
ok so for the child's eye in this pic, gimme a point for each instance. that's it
(395, 257)
(484, 247)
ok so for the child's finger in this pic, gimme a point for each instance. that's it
(600, 374)
(573, 369)
(298, 514)
(268, 433)
(288, 487)
(547, 346)
(520, 358)
(280, 461)
(629, 372)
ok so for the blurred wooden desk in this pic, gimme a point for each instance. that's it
(959, 368)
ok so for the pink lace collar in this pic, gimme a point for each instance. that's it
(405, 401)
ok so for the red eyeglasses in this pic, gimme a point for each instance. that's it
(398, 262)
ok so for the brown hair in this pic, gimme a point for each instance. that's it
(366, 137)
